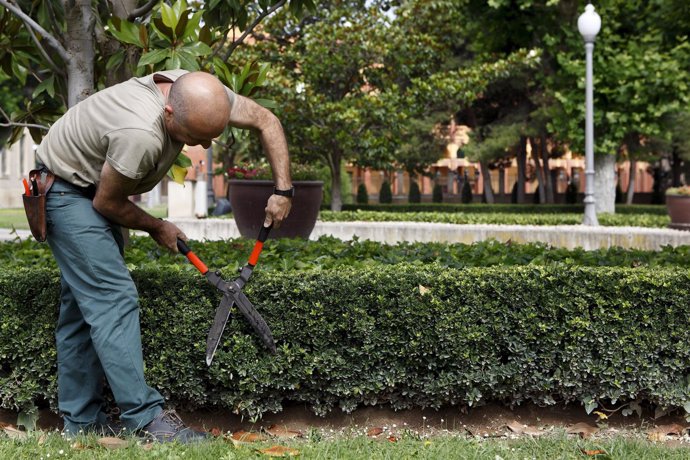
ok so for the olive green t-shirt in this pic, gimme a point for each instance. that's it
(123, 125)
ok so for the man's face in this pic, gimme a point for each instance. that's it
(189, 135)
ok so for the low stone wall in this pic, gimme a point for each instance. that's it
(565, 236)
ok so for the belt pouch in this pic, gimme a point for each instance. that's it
(35, 204)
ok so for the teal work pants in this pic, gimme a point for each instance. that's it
(97, 334)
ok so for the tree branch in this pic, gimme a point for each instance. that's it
(24, 125)
(142, 11)
(12, 123)
(43, 52)
(52, 41)
(251, 27)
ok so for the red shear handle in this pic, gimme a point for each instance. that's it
(258, 246)
(184, 249)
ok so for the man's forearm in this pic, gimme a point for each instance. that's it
(273, 141)
(127, 214)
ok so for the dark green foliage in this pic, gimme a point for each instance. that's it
(385, 194)
(437, 194)
(415, 195)
(362, 194)
(466, 192)
(408, 335)
(520, 218)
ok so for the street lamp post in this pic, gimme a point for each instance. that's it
(589, 24)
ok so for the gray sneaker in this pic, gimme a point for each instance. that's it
(169, 427)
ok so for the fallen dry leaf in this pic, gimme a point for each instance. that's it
(215, 432)
(112, 443)
(423, 290)
(601, 415)
(518, 428)
(79, 446)
(374, 431)
(279, 451)
(42, 439)
(246, 437)
(673, 428)
(148, 446)
(592, 453)
(392, 439)
(656, 436)
(283, 432)
(14, 433)
(585, 430)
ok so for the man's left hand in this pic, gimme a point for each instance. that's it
(277, 210)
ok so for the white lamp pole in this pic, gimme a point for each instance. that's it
(589, 24)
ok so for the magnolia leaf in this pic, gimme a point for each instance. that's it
(241, 437)
(672, 428)
(601, 415)
(279, 451)
(267, 103)
(594, 452)
(518, 428)
(168, 16)
(153, 57)
(177, 174)
(374, 431)
(686, 406)
(14, 433)
(112, 443)
(282, 432)
(584, 429)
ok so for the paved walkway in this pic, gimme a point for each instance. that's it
(565, 236)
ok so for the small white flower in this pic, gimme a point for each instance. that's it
(61, 452)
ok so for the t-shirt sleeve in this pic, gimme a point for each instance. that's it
(133, 152)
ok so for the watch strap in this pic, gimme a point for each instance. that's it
(289, 193)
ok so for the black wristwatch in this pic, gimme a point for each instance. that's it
(288, 193)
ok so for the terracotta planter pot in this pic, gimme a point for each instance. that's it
(678, 207)
(248, 200)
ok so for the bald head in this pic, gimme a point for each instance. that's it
(199, 103)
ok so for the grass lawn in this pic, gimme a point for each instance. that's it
(16, 218)
(555, 446)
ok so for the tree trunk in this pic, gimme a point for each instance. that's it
(501, 181)
(486, 179)
(522, 169)
(676, 169)
(334, 166)
(548, 178)
(79, 42)
(605, 183)
(540, 172)
(632, 176)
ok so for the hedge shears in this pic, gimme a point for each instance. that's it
(232, 295)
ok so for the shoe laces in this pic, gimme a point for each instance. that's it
(173, 419)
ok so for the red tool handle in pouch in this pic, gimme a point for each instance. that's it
(184, 249)
(258, 246)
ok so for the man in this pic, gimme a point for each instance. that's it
(119, 142)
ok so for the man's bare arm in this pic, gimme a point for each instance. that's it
(246, 113)
(112, 201)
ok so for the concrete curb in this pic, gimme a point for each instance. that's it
(565, 236)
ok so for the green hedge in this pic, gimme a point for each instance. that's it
(501, 208)
(328, 253)
(499, 218)
(405, 335)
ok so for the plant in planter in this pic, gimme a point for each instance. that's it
(678, 206)
(250, 186)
